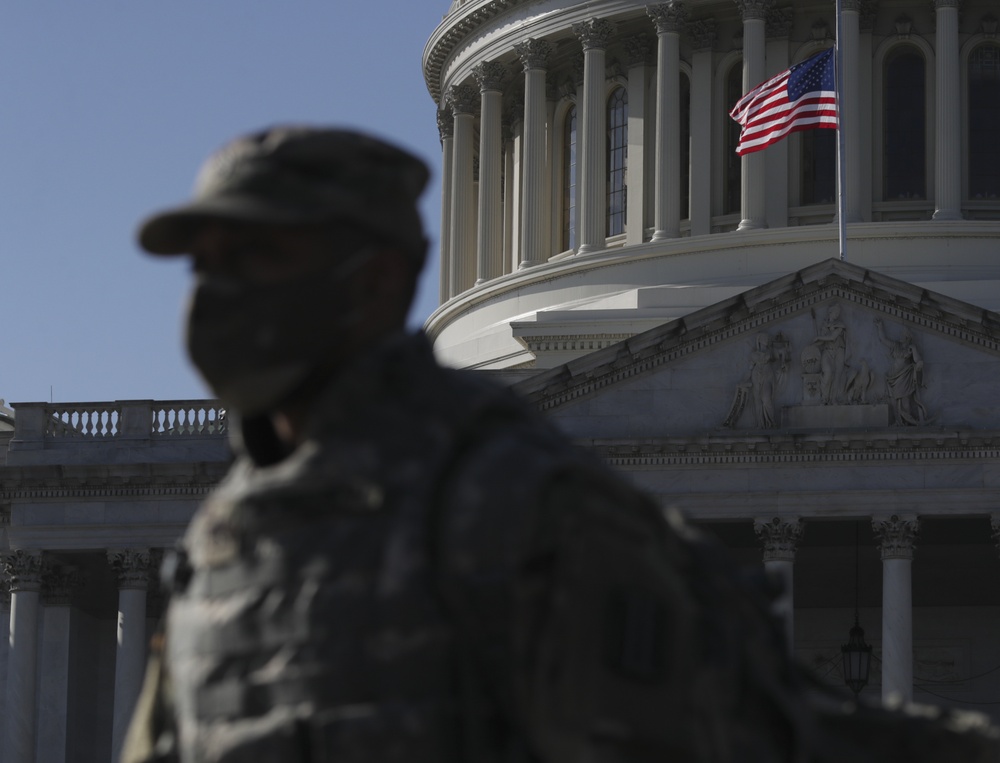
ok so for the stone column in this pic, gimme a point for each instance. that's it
(534, 239)
(24, 570)
(948, 121)
(896, 535)
(592, 120)
(639, 50)
(133, 567)
(669, 19)
(58, 586)
(489, 75)
(463, 100)
(752, 186)
(781, 536)
(702, 36)
(446, 129)
(850, 108)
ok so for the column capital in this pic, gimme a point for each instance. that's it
(639, 50)
(133, 566)
(668, 17)
(780, 536)
(702, 34)
(463, 99)
(24, 570)
(942, 4)
(490, 75)
(594, 33)
(59, 584)
(869, 10)
(754, 9)
(854, 6)
(896, 534)
(534, 54)
(446, 124)
(779, 23)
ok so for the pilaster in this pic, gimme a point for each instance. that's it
(640, 50)
(594, 35)
(896, 535)
(702, 35)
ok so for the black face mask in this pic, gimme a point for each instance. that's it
(255, 344)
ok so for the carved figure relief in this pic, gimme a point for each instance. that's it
(841, 371)
(768, 371)
(831, 341)
(905, 378)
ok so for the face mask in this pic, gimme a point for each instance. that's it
(255, 344)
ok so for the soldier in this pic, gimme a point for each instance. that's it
(405, 564)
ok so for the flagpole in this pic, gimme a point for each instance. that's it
(838, 80)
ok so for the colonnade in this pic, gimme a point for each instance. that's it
(896, 535)
(41, 596)
(506, 215)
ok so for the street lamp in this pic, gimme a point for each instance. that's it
(856, 654)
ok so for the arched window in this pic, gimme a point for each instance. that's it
(984, 122)
(569, 181)
(733, 164)
(685, 148)
(617, 157)
(903, 139)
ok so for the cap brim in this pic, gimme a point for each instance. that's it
(173, 231)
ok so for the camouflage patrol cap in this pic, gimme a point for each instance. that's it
(292, 175)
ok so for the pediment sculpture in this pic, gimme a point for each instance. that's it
(852, 374)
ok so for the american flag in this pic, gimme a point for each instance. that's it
(800, 98)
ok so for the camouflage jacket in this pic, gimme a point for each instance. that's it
(435, 575)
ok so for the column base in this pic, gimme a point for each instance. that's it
(525, 264)
(751, 225)
(663, 235)
(588, 249)
(947, 214)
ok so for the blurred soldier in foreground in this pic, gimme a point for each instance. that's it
(405, 564)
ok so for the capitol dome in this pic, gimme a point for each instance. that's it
(684, 313)
(591, 189)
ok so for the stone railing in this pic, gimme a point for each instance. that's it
(123, 419)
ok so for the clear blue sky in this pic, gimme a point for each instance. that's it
(107, 107)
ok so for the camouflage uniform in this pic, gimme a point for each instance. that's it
(433, 575)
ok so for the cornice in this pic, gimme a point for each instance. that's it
(867, 447)
(58, 491)
(756, 308)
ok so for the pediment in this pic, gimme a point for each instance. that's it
(831, 347)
